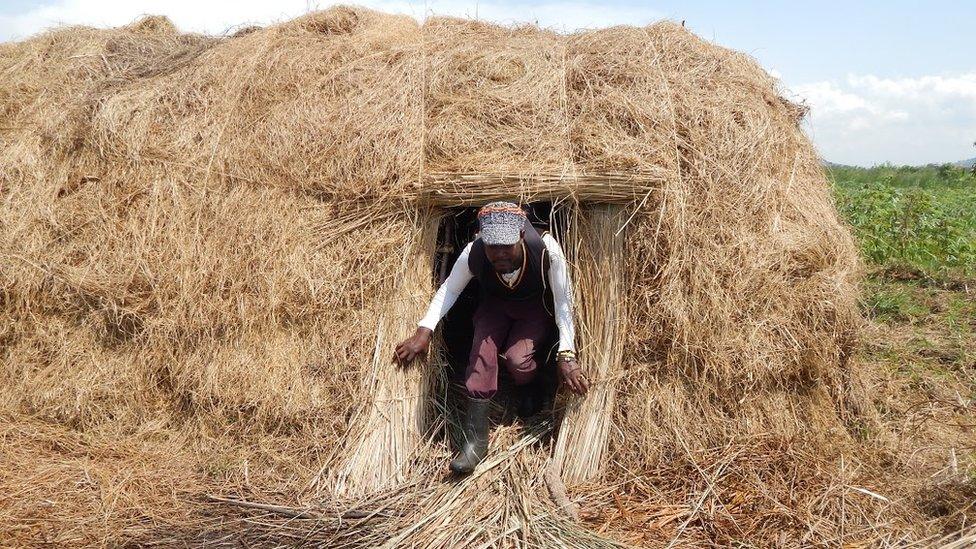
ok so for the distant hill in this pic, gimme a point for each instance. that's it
(833, 165)
(962, 164)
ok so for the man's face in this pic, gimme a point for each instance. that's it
(504, 257)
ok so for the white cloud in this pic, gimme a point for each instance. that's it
(867, 120)
(220, 15)
(961, 87)
(828, 98)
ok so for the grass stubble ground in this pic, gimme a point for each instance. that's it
(921, 346)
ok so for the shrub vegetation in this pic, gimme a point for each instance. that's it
(922, 219)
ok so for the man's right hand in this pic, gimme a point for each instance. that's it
(414, 346)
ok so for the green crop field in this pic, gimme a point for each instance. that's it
(919, 219)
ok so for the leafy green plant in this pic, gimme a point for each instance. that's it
(928, 225)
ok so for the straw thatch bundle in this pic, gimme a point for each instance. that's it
(212, 243)
(601, 286)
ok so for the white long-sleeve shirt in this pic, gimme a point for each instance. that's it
(562, 291)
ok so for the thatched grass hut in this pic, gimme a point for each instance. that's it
(209, 246)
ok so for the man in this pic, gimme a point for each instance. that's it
(515, 266)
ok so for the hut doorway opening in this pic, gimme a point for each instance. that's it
(457, 228)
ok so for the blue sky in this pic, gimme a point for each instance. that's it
(887, 81)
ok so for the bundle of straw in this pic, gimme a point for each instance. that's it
(472, 189)
(597, 260)
(390, 426)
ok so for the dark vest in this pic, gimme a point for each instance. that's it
(533, 281)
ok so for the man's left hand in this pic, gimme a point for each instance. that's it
(572, 376)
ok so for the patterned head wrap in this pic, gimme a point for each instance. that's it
(501, 223)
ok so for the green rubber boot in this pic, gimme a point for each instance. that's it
(475, 431)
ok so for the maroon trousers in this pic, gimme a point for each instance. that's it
(515, 329)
